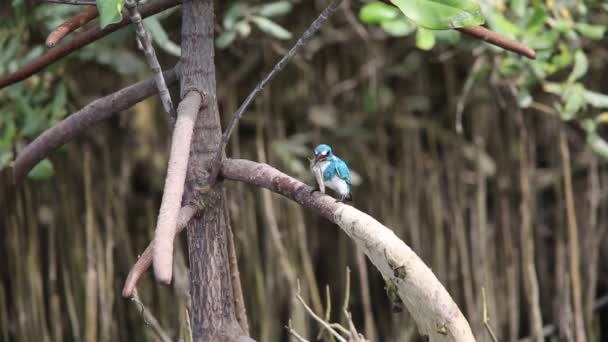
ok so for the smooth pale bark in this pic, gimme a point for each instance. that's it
(174, 186)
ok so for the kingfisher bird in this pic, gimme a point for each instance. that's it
(334, 172)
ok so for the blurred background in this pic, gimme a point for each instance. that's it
(490, 166)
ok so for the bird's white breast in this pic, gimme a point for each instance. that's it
(338, 185)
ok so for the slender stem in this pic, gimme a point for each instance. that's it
(87, 14)
(78, 42)
(73, 2)
(494, 38)
(148, 49)
(310, 31)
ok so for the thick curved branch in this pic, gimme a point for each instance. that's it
(79, 41)
(494, 38)
(310, 31)
(431, 306)
(92, 113)
(145, 260)
(87, 14)
(174, 186)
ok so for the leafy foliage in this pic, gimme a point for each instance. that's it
(110, 11)
(240, 16)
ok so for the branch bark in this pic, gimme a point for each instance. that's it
(87, 14)
(146, 46)
(174, 186)
(213, 310)
(79, 41)
(91, 114)
(494, 38)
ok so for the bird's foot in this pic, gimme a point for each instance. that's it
(315, 189)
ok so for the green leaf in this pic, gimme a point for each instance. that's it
(378, 12)
(42, 171)
(225, 39)
(535, 21)
(399, 27)
(160, 36)
(425, 40)
(275, 9)
(581, 65)
(574, 102)
(524, 99)
(598, 145)
(595, 32)
(232, 15)
(270, 27)
(596, 100)
(502, 25)
(441, 14)
(109, 11)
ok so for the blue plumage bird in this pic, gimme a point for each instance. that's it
(334, 171)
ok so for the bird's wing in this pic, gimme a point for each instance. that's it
(342, 170)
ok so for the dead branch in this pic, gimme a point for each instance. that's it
(87, 14)
(73, 2)
(79, 41)
(145, 260)
(166, 225)
(310, 31)
(89, 115)
(494, 38)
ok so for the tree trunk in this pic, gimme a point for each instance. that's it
(213, 311)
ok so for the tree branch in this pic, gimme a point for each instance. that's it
(310, 31)
(145, 260)
(428, 302)
(79, 41)
(494, 38)
(431, 306)
(87, 14)
(73, 2)
(92, 113)
(148, 49)
(174, 186)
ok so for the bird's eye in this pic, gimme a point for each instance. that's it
(324, 153)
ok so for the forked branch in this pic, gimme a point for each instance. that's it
(431, 306)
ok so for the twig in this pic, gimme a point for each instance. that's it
(79, 41)
(87, 14)
(310, 31)
(317, 318)
(145, 260)
(150, 320)
(174, 186)
(486, 319)
(73, 2)
(494, 38)
(294, 333)
(92, 113)
(148, 49)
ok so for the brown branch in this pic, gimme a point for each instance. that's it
(87, 14)
(145, 260)
(79, 41)
(92, 113)
(494, 38)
